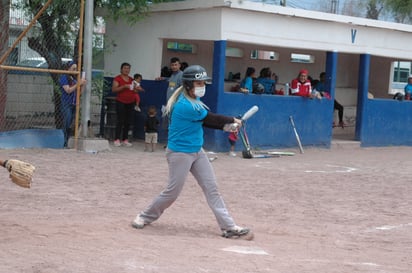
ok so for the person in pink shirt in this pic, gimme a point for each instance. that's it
(233, 136)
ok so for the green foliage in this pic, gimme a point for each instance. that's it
(56, 33)
(374, 8)
(129, 10)
(400, 9)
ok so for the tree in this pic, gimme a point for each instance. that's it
(352, 8)
(56, 33)
(373, 9)
(4, 37)
(400, 9)
(389, 10)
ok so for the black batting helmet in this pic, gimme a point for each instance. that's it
(195, 73)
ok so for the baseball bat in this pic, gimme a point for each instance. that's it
(296, 134)
(232, 127)
(250, 112)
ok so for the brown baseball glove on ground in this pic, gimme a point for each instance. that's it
(21, 173)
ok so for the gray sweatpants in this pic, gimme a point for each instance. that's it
(180, 164)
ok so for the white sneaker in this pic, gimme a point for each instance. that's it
(127, 143)
(138, 222)
(211, 159)
(116, 143)
(137, 108)
(235, 231)
(232, 154)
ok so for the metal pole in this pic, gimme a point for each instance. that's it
(88, 47)
(335, 7)
(79, 65)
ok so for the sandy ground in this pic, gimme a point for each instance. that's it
(325, 211)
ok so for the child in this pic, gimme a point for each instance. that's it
(150, 129)
(137, 78)
(232, 140)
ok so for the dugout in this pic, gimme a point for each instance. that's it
(356, 53)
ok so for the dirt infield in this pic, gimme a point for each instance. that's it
(325, 211)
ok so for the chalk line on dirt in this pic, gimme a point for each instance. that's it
(389, 227)
(246, 250)
(325, 261)
(339, 169)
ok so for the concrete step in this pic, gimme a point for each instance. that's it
(344, 141)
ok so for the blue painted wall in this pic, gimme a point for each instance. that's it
(154, 94)
(380, 122)
(270, 127)
(32, 138)
(385, 123)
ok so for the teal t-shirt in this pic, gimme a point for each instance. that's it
(247, 83)
(408, 88)
(186, 126)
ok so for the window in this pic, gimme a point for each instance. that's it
(234, 52)
(181, 47)
(401, 71)
(302, 58)
(264, 55)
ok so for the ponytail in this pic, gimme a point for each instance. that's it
(196, 103)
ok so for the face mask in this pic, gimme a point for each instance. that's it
(200, 91)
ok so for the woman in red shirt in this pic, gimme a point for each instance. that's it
(125, 101)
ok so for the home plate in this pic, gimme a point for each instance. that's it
(246, 250)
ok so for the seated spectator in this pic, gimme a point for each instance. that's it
(246, 85)
(279, 91)
(398, 96)
(301, 86)
(316, 93)
(321, 88)
(408, 88)
(267, 79)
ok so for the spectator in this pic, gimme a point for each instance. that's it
(137, 79)
(301, 86)
(150, 129)
(321, 88)
(175, 79)
(268, 80)
(246, 85)
(125, 102)
(165, 72)
(68, 85)
(315, 93)
(408, 88)
(233, 136)
(183, 66)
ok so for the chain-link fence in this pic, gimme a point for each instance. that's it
(38, 41)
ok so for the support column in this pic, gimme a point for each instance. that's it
(363, 88)
(219, 64)
(331, 71)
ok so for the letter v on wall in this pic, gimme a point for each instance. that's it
(353, 33)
